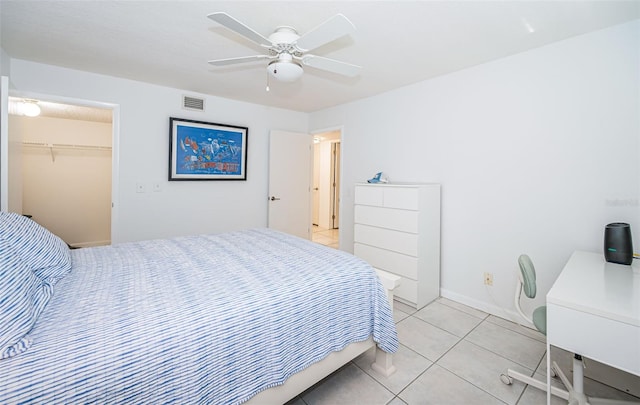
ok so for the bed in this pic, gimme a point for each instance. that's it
(254, 315)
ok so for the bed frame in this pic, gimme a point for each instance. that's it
(299, 382)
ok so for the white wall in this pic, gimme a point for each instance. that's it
(4, 63)
(181, 207)
(536, 153)
(67, 190)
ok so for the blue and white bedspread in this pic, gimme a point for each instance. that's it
(209, 319)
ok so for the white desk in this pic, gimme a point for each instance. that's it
(593, 309)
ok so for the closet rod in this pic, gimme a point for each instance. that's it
(64, 145)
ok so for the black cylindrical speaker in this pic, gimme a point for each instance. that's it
(618, 247)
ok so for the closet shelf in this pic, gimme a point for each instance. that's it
(52, 146)
(65, 146)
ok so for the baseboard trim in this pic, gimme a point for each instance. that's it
(91, 244)
(508, 314)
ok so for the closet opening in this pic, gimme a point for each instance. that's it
(66, 169)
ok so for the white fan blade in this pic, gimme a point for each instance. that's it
(233, 61)
(332, 65)
(332, 29)
(238, 27)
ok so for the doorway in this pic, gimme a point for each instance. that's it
(326, 188)
(66, 169)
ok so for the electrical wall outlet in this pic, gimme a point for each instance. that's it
(488, 278)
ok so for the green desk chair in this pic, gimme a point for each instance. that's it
(527, 283)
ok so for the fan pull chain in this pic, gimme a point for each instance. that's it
(267, 80)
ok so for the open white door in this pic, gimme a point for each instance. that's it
(4, 143)
(10, 157)
(290, 173)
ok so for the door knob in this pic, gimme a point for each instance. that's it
(273, 198)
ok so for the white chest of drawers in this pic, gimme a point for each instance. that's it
(397, 229)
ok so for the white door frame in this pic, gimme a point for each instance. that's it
(341, 191)
(115, 141)
(336, 153)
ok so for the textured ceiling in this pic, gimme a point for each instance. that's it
(63, 111)
(396, 42)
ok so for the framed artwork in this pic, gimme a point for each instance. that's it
(206, 151)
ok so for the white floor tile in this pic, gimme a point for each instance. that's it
(409, 365)
(398, 315)
(401, 306)
(471, 311)
(448, 318)
(349, 385)
(441, 387)
(534, 396)
(482, 368)
(327, 237)
(397, 401)
(509, 344)
(424, 338)
(530, 332)
(296, 401)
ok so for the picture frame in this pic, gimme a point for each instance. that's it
(200, 150)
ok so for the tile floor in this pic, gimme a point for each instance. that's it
(449, 354)
(327, 237)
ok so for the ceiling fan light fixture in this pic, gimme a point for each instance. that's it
(285, 71)
(287, 50)
(30, 108)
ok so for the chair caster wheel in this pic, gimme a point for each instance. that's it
(506, 379)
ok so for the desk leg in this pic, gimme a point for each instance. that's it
(548, 373)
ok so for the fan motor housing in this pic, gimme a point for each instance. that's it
(284, 35)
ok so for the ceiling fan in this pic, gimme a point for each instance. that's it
(287, 50)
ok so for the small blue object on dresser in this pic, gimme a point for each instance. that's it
(380, 177)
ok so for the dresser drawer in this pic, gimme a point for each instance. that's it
(369, 195)
(406, 198)
(399, 220)
(407, 290)
(401, 242)
(401, 197)
(392, 262)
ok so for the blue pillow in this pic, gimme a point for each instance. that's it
(44, 253)
(23, 296)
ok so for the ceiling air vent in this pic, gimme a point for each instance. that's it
(192, 103)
